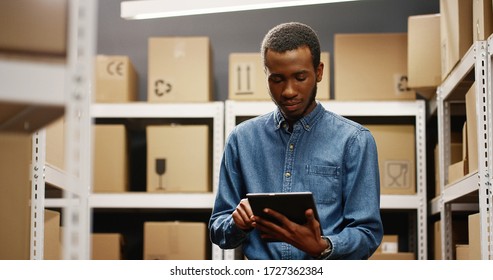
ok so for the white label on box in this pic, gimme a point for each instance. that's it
(397, 174)
(244, 78)
(389, 247)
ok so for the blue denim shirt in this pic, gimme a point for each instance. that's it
(331, 156)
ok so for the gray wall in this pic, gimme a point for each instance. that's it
(243, 31)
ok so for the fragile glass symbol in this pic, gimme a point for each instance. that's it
(397, 172)
(160, 170)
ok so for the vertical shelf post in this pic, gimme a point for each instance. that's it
(37, 195)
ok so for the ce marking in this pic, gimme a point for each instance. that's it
(115, 68)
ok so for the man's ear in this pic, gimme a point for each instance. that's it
(320, 71)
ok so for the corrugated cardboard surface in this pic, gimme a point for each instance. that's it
(52, 236)
(34, 26)
(116, 79)
(175, 241)
(185, 151)
(179, 69)
(396, 157)
(424, 49)
(106, 246)
(15, 193)
(371, 66)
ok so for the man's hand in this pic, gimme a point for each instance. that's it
(305, 237)
(242, 215)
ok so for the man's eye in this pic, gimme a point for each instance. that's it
(275, 79)
(301, 78)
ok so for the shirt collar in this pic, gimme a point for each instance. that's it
(307, 121)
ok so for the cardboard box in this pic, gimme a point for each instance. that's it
(456, 151)
(15, 194)
(472, 151)
(393, 256)
(396, 158)
(34, 26)
(459, 235)
(52, 236)
(27, 118)
(474, 228)
(116, 79)
(423, 45)
(371, 66)
(110, 159)
(175, 241)
(455, 172)
(106, 246)
(455, 32)
(179, 69)
(482, 14)
(55, 144)
(462, 252)
(389, 245)
(178, 158)
(248, 81)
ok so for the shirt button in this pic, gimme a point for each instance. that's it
(291, 146)
(288, 174)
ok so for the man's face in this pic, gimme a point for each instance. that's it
(293, 81)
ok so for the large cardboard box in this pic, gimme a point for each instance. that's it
(107, 246)
(482, 14)
(396, 157)
(248, 81)
(110, 158)
(179, 69)
(15, 194)
(175, 241)
(474, 228)
(178, 158)
(52, 236)
(34, 26)
(116, 79)
(456, 29)
(423, 45)
(393, 256)
(472, 152)
(459, 236)
(371, 66)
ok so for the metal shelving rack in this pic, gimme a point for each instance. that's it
(417, 109)
(474, 66)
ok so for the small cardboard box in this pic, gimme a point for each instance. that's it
(110, 158)
(52, 238)
(178, 158)
(462, 251)
(390, 244)
(55, 144)
(107, 246)
(116, 79)
(456, 32)
(371, 66)
(482, 14)
(32, 26)
(456, 150)
(248, 81)
(179, 69)
(396, 157)
(393, 256)
(175, 241)
(455, 172)
(423, 46)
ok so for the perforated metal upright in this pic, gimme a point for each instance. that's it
(79, 80)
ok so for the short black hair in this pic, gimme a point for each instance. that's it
(290, 36)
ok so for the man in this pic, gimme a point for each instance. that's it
(299, 147)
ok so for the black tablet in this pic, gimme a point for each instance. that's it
(291, 204)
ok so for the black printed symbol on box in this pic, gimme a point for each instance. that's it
(244, 78)
(397, 174)
(115, 68)
(161, 87)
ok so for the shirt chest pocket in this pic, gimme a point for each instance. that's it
(324, 182)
